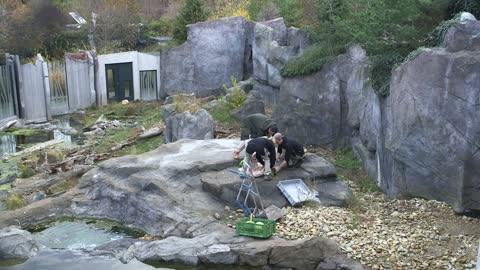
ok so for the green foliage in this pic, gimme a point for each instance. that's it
(236, 96)
(192, 12)
(472, 6)
(5, 187)
(311, 60)
(388, 29)
(160, 27)
(291, 11)
(381, 69)
(24, 170)
(437, 36)
(346, 159)
(367, 185)
(14, 201)
(256, 7)
(221, 112)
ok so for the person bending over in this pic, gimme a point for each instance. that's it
(291, 152)
(263, 150)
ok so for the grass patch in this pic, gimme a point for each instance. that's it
(142, 146)
(185, 103)
(113, 136)
(23, 131)
(222, 112)
(346, 159)
(367, 185)
(354, 203)
(5, 187)
(63, 186)
(24, 170)
(11, 262)
(14, 201)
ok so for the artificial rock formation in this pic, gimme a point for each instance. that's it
(421, 140)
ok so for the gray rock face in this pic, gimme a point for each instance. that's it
(269, 94)
(225, 185)
(16, 243)
(186, 125)
(253, 104)
(432, 129)
(214, 51)
(463, 37)
(159, 191)
(271, 51)
(334, 193)
(226, 248)
(314, 109)
(297, 38)
(420, 141)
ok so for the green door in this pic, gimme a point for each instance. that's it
(119, 79)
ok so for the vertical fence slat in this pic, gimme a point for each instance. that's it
(7, 103)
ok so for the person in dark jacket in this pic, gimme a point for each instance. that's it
(257, 125)
(254, 126)
(291, 152)
(263, 151)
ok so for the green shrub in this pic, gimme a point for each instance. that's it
(291, 11)
(25, 170)
(192, 12)
(14, 201)
(367, 185)
(381, 71)
(346, 159)
(235, 96)
(221, 112)
(310, 61)
(160, 27)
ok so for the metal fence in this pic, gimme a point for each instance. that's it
(80, 81)
(34, 92)
(7, 103)
(58, 87)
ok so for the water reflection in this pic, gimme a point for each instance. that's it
(8, 144)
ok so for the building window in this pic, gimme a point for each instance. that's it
(148, 84)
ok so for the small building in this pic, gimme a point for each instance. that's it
(128, 75)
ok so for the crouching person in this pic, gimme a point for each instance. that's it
(291, 153)
(261, 150)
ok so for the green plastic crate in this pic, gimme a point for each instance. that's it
(252, 229)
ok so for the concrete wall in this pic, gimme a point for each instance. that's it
(140, 61)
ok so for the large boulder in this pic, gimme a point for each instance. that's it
(324, 107)
(463, 37)
(271, 51)
(214, 51)
(16, 243)
(225, 247)
(298, 38)
(432, 128)
(186, 125)
(252, 104)
(159, 191)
